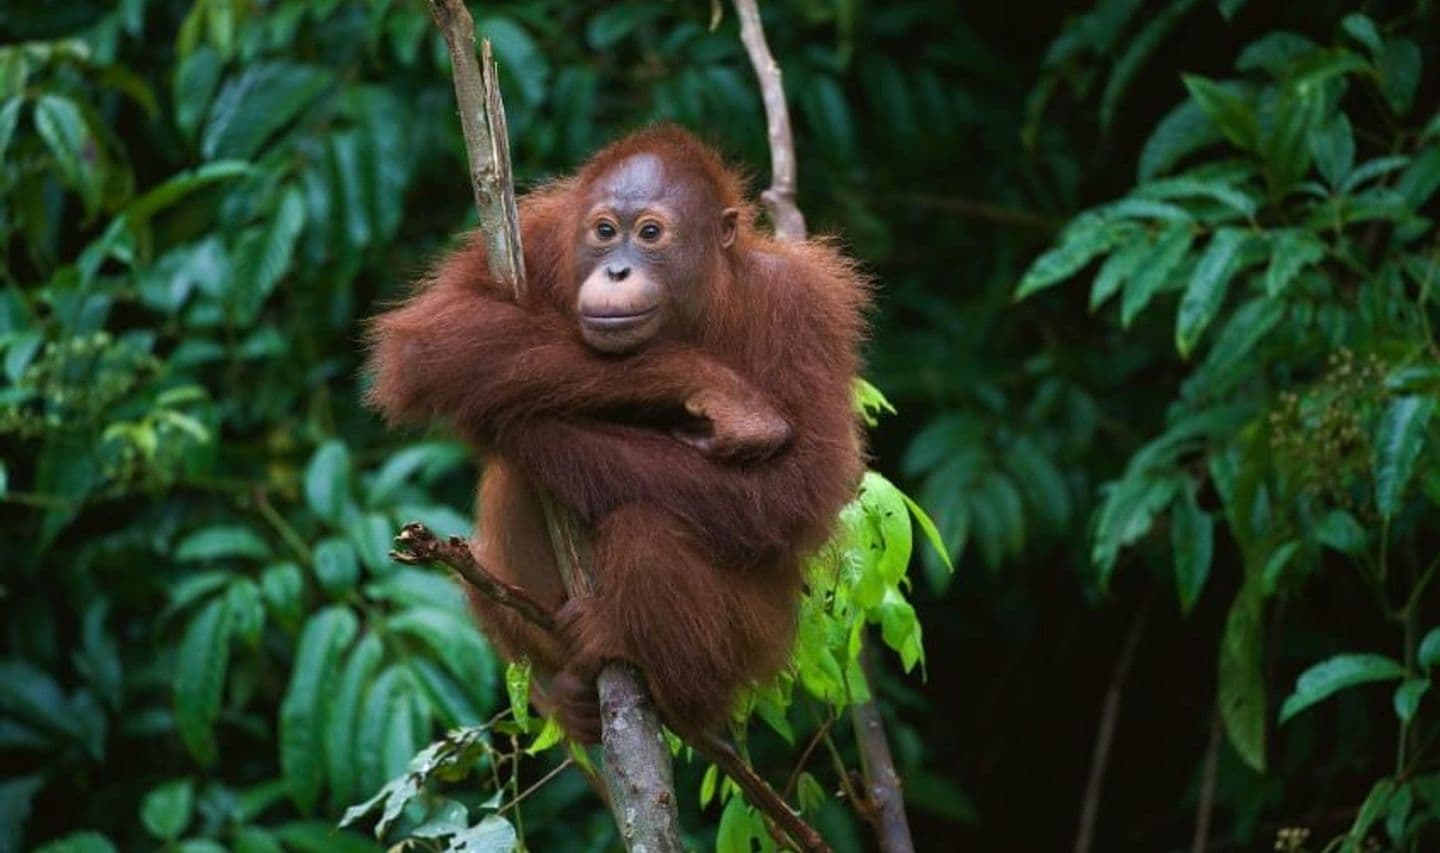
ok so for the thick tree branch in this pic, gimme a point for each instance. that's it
(885, 807)
(637, 766)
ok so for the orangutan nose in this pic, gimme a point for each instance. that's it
(617, 273)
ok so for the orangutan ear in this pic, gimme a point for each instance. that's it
(729, 226)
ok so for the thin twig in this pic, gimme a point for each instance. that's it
(1208, 776)
(535, 786)
(805, 757)
(779, 199)
(1105, 736)
(416, 544)
(758, 792)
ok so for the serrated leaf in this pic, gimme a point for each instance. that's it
(256, 104)
(201, 664)
(1138, 49)
(494, 834)
(304, 708)
(221, 541)
(1398, 441)
(1291, 250)
(165, 810)
(1205, 292)
(1342, 671)
(264, 257)
(1117, 270)
(1155, 271)
(78, 157)
(1228, 107)
(1079, 245)
(1183, 131)
(1192, 540)
(1241, 694)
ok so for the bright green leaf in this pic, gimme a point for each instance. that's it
(1338, 673)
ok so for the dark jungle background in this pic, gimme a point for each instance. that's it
(1181, 459)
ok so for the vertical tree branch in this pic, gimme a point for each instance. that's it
(779, 199)
(1105, 736)
(886, 803)
(637, 765)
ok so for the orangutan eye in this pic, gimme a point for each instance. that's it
(605, 231)
(650, 232)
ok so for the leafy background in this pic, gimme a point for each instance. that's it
(1156, 313)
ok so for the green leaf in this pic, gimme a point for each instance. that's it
(1241, 693)
(520, 59)
(1421, 179)
(1407, 698)
(1339, 530)
(1275, 53)
(1155, 272)
(1358, 26)
(336, 566)
(494, 834)
(9, 119)
(1228, 107)
(304, 708)
(1291, 250)
(253, 839)
(1400, 73)
(1192, 538)
(1117, 269)
(1185, 130)
(344, 717)
(1206, 290)
(1370, 811)
(1127, 513)
(1398, 441)
(733, 834)
(327, 481)
(181, 184)
(200, 668)
(195, 80)
(79, 842)
(283, 586)
(247, 612)
(1342, 671)
(1430, 649)
(1040, 481)
(1285, 126)
(264, 255)
(1138, 50)
(77, 153)
(166, 809)
(1275, 566)
(221, 541)
(252, 107)
(1081, 243)
(1333, 147)
(612, 25)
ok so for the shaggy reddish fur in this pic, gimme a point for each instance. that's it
(698, 561)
